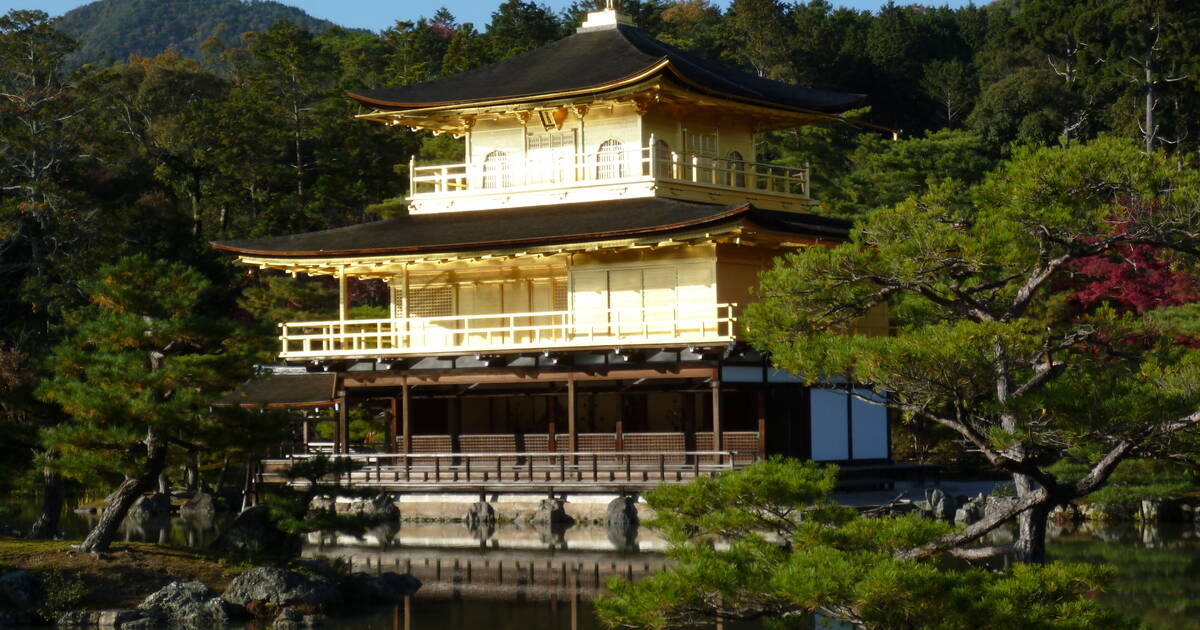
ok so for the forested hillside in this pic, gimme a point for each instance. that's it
(157, 155)
(116, 29)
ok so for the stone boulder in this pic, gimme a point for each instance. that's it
(149, 507)
(189, 605)
(480, 513)
(385, 588)
(254, 532)
(621, 523)
(940, 505)
(381, 508)
(200, 506)
(268, 589)
(551, 512)
(21, 591)
(288, 619)
(108, 619)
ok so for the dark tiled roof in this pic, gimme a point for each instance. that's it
(596, 59)
(283, 390)
(531, 226)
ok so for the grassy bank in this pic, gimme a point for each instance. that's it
(120, 578)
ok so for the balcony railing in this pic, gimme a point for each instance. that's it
(683, 324)
(514, 174)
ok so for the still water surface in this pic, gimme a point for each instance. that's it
(522, 578)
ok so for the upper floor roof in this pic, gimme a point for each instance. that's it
(597, 60)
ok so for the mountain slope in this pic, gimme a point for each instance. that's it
(115, 29)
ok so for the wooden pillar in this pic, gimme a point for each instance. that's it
(405, 417)
(620, 420)
(343, 298)
(762, 424)
(393, 422)
(716, 410)
(571, 412)
(552, 422)
(341, 441)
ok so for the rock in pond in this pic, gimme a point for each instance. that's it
(254, 532)
(189, 605)
(201, 505)
(108, 619)
(149, 507)
(552, 512)
(21, 591)
(265, 590)
(384, 588)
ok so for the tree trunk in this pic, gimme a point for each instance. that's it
(192, 474)
(220, 486)
(1030, 546)
(46, 526)
(114, 513)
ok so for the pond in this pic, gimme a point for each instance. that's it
(518, 578)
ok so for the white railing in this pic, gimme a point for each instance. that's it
(540, 330)
(511, 174)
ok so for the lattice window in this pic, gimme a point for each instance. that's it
(700, 143)
(561, 294)
(609, 164)
(560, 140)
(434, 301)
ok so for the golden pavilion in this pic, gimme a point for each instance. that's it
(565, 303)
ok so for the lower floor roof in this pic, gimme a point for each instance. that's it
(482, 230)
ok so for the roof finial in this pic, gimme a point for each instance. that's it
(610, 17)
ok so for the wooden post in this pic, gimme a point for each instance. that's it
(552, 425)
(762, 424)
(571, 411)
(393, 422)
(343, 305)
(405, 417)
(342, 439)
(620, 421)
(716, 409)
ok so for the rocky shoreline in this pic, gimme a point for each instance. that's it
(287, 599)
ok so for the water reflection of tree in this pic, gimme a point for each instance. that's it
(1159, 585)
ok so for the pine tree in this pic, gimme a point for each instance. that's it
(136, 374)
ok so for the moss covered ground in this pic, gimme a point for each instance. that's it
(122, 577)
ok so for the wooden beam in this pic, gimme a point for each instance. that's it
(450, 377)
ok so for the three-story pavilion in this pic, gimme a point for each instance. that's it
(573, 288)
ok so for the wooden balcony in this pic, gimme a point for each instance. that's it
(604, 175)
(522, 471)
(424, 336)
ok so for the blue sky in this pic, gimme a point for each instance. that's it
(380, 14)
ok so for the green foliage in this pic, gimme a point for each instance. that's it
(989, 340)
(65, 590)
(147, 354)
(883, 173)
(766, 541)
(1133, 481)
(117, 29)
(292, 508)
